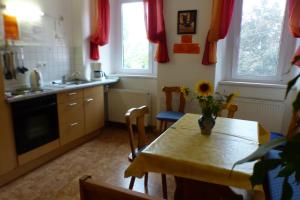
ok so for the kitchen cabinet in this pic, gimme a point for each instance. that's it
(93, 108)
(66, 97)
(80, 112)
(80, 118)
(70, 115)
(8, 158)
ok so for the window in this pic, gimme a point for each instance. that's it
(257, 34)
(136, 55)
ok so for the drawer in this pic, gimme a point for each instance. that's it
(70, 111)
(93, 91)
(71, 131)
(69, 96)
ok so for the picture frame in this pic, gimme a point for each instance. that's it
(187, 22)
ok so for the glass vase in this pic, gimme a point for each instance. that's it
(206, 124)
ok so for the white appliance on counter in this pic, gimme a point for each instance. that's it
(96, 73)
(36, 79)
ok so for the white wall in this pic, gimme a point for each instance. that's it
(46, 41)
(82, 11)
(184, 69)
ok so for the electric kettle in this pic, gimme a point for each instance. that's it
(36, 80)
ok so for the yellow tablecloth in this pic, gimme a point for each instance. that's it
(182, 151)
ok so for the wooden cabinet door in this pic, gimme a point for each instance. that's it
(1, 87)
(8, 157)
(94, 108)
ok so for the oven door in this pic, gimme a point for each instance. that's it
(35, 126)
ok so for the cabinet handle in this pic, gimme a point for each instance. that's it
(89, 100)
(74, 124)
(72, 104)
(72, 93)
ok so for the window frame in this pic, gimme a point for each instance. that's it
(119, 44)
(286, 48)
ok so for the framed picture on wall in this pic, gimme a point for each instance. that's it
(186, 22)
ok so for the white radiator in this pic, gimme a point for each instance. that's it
(120, 100)
(269, 113)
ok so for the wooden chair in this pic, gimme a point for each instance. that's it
(231, 110)
(169, 115)
(138, 115)
(91, 190)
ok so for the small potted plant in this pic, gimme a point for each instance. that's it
(210, 103)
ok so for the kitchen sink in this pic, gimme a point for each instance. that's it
(76, 82)
(70, 82)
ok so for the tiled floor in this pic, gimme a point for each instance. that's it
(104, 158)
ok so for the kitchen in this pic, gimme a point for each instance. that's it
(54, 98)
(44, 87)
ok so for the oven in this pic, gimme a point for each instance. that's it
(35, 122)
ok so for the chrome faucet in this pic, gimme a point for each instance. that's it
(63, 79)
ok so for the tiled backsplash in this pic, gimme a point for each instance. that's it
(52, 61)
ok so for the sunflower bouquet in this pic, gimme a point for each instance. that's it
(211, 103)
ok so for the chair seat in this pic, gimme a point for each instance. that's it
(275, 135)
(169, 116)
(137, 152)
(275, 184)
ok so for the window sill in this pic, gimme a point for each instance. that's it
(133, 76)
(250, 84)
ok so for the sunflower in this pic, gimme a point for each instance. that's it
(204, 88)
(185, 91)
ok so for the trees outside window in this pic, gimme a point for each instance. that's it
(258, 36)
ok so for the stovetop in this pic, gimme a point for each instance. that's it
(24, 92)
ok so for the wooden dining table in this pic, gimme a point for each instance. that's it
(184, 152)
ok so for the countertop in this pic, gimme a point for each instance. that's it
(58, 88)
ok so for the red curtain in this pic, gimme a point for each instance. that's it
(294, 24)
(296, 58)
(222, 11)
(155, 27)
(100, 36)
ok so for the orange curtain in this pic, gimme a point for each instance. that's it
(294, 21)
(294, 24)
(155, 27)
(100, 28)
(222, 11)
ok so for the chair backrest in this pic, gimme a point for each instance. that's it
(90, 190)
(294, 125)
(136, 115)
(169, 98)
(232, 108)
